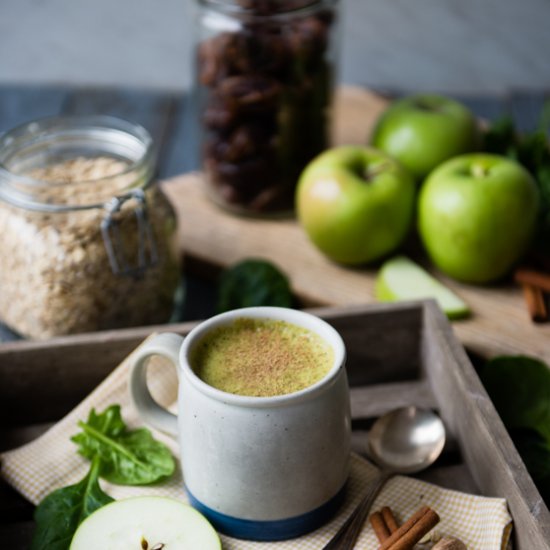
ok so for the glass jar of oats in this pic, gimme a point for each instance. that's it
(87, 240)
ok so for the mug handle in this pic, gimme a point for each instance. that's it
(166, 345)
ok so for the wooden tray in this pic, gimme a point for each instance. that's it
(212, 238)
(397, 355)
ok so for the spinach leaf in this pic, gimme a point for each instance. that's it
(61, 512)
(253, 282)
(520, 389)
(501, 138)
(127, 457)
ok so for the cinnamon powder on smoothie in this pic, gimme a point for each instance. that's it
(262, 357)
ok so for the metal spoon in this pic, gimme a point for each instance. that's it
(403, 441)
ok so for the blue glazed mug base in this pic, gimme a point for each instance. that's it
(283, 529)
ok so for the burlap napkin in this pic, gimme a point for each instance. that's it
(51, 461)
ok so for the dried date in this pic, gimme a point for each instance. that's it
(250, 93)
(308, 38)
(244, 142)
(265, 108)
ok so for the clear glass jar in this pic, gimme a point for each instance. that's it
(87, 241)
(265, 71)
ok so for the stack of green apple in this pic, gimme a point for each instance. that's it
(475, 212)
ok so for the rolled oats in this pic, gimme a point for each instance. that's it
(56, 277)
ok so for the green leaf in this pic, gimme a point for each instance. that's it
(501, 138)
(127, 457)
(253, 283)
(520, 389)
(61, 512)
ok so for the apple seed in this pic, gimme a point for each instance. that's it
(145, 545)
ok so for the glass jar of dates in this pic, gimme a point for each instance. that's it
(265, 72)
(87, 241)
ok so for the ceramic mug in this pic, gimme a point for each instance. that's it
(260, 468)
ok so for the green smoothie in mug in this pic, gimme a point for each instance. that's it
(261, 357)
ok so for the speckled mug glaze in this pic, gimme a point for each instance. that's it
(260, 468)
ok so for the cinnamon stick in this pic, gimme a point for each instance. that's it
(406, 536)
(389, 519)
(531, 277)
(379, 525)
(536, 303)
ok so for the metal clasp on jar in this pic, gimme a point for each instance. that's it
(147, 252)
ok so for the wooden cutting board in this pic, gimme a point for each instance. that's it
(211, 237)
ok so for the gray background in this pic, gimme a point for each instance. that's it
(462, 46)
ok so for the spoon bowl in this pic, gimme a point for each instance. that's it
(406, 440)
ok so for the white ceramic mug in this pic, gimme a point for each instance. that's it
(260, 468)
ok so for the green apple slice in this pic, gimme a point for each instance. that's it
(146, 522)
(403, 279)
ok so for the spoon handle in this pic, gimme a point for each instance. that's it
(346, 536)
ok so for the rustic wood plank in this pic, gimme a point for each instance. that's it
(487, 448)
(381, 347)
(500, 323)
(182, 151)
(70, 367)
(373, 401)
(21, 104)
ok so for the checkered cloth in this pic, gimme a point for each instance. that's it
(51, 461)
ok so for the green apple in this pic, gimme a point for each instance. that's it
(422, 131)
(355, 203)
(146, 522)
(476, 216)
(400, 278)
